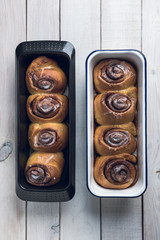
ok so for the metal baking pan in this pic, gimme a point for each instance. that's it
(138, 60)
(64, 53)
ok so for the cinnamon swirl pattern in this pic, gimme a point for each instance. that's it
(113, 74)
(48, 137)
(114, 108)
(44, 169)
(114, 139)
(44, 75)
(131, 92)
(116, 171)
(47, 107)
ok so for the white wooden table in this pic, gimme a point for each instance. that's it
(89, 25)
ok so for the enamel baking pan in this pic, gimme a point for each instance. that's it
(138, 60)
(64, 53)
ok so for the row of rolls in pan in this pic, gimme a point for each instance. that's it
(114, 110)
(47, 108)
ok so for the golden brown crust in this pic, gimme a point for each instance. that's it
(114, 108)
(126, 126)
(131, 92)
(115, 172)
(48, 137)
(44, 169)
(44, 76)
(43, 108)
(113, 74)
(114, 140)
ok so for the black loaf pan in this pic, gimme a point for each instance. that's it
(64, 53)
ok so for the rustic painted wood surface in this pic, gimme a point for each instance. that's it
(12, 31)
(150, 39)
(88, 25)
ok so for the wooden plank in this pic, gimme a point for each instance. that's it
(12, 31)
(43, 19)
(121, 219)
(121, 29)
(42, 221)
(150, 47)
(121, 24)
(80, 24)
(42, 24)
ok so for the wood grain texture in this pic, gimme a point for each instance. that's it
(80, 24)
(121, 219)
(150, 47)
(42, 24)
(121, 29)
(43, 19)
(12, 31)
(121, 24)
(42, 221)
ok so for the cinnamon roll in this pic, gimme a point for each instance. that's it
(48, 137)
(44, 169)
(44, 76)
(43, 108)
(113, 74)
(115, 139)
(116, 172)
(131, 92)
(114, 108)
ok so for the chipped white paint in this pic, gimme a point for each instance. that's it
(6, 150)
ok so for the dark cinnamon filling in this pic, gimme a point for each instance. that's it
(120, 174)
(118, 171)
(118, 102)
(38, 175)
(42, 80)
(45, 84)
(112, 73)
(45, 106)
(116, 138)
(47, 137)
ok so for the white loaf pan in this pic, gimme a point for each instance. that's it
(138, 60)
